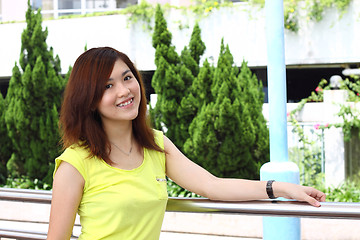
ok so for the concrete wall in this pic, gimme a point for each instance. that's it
(330, 41)
(8, 12)
(334, 40)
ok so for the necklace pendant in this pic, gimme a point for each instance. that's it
(127, 154)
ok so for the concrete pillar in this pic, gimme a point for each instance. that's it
(334, 157)
(279, 168)
(334, 140)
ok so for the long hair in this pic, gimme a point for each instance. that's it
(80, 122)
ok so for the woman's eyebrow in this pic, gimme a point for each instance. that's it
(123, 74)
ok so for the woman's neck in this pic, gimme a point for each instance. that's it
(120, 134)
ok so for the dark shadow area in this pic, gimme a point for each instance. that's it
(301, 81)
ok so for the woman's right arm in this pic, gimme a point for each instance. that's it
(66, 196)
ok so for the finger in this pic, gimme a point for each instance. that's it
(321, 198)
(312, 201)
(318, 195)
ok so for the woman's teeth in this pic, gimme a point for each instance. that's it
(125, 103)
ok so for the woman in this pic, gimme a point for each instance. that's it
(114, 167)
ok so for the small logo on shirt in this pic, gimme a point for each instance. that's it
(161, 179)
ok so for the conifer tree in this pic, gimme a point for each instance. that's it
(251, 89)
(196, 46)
(33, 101)
(166, 59)
(201, 87)
(223, 134)
(161, 40)
(5, 146)
(173, 78)
(189, 71)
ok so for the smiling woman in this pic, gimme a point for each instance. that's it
(114, 167)
(93, 73)
(121, 98)
(104, 107)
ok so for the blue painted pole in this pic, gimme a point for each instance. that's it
(279, 168)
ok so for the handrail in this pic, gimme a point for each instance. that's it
(19, 190)
(267, 208)
(25, 235)
(21, 235)
(26, 195)
(261, 207)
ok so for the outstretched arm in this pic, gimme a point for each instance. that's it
(196, 179)
(66, 196)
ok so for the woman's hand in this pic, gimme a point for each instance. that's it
(299, 193)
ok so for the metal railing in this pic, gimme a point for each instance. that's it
(259, 207)
(332, 210)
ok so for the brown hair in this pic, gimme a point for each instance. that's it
(80, 123)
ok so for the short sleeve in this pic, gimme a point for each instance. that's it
(74, 157)
(159, 138)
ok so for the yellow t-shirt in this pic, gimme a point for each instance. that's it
(120, 204)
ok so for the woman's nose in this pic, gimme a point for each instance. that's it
(122, 90)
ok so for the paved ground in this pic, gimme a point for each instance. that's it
(187, 236)
(192, 226)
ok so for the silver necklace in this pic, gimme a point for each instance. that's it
(127, 154)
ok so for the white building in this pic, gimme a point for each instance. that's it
(318, 50)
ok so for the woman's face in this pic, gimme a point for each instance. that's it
(121, 98)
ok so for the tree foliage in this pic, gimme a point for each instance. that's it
(173, 78)
(33, 100)
(229, 136)
(5, 146)
(213, 114)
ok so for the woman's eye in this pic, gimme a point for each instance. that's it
(108, 86)
(127, 78)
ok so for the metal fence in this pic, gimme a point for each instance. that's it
(332, 210)
(260, 207)
(308, 153)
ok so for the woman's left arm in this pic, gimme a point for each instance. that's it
(194, 178)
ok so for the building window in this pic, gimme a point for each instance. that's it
(36, 4)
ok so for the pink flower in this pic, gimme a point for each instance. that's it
(318, 89)
(288, 114)
(318, 126)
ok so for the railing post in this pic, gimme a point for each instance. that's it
(279, 168)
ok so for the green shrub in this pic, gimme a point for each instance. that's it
(24, 182)
(229, 136)
(175, 190)
(172, 80)
(32, 101)
(346, 192)
(5, 144)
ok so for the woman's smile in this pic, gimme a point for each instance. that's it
(122, 90)
(126, 103)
